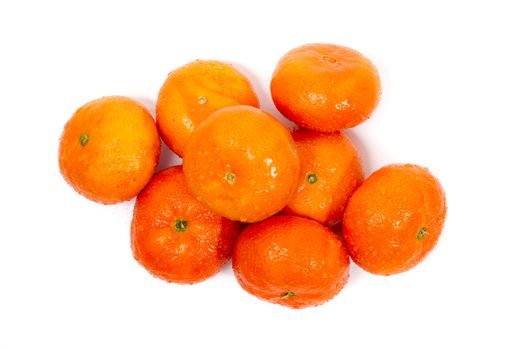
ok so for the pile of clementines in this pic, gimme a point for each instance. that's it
(242, 166)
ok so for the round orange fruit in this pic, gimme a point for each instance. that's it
(175, 237)
(325, 87)
(292, 261)
(242, 163)
(194, 91)
(394, 219)
(109, 149)
(330, 172)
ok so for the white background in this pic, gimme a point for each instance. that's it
(453, 100)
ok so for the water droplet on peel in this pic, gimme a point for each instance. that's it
(188, 123)
(250, 155)
(316, 98)
(342, 106)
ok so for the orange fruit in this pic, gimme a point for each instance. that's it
(394, 219)
(109, 149)
(292, 261)
(175, 237)
(194, 91)
(242, 163)
(325, 87)
(330, 172)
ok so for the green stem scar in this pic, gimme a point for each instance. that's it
(180, 225)
(84, 138)
(422, 233)
(202, 100)
(286, 295)
(230, 178)
(311, 178)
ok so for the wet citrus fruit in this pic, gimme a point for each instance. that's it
(242, 163)
(175, 237)
(325, 87)
(330, 172)
(194, 91)
(109, 149)
(394, 219)
(292, 261)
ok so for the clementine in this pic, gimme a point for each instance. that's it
(194, 91)
(292, 261)
(109, 149)
(175, 237)
(325, 87)
(394, 219)
(242, 163)
(330, 172)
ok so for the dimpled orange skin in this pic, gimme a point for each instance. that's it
(325, 87)
(109, 149)
(242, 163)
(291, 261)
(194, 91)
(394, 219)
(331, 171)
(175, 237)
